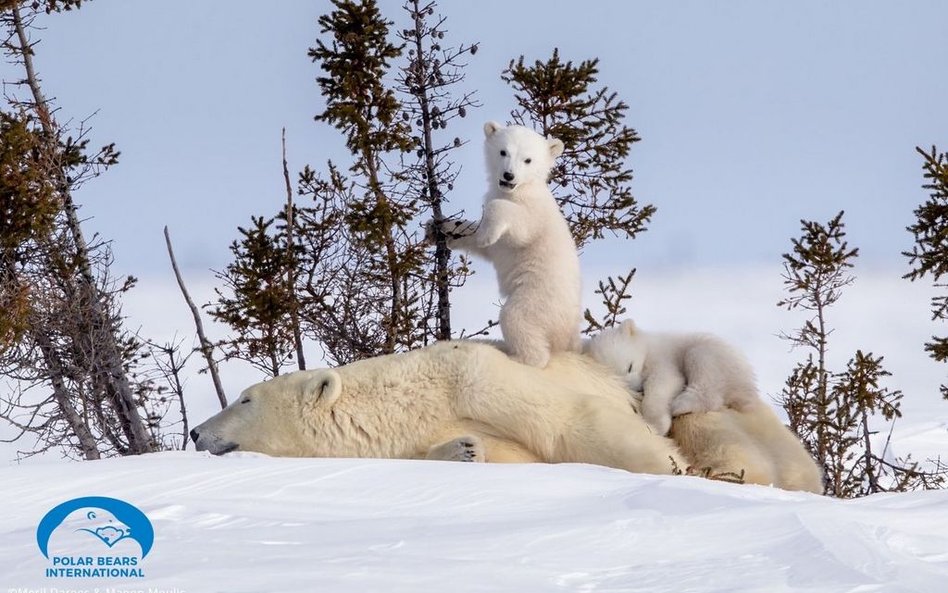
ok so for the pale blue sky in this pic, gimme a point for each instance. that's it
(753, 114)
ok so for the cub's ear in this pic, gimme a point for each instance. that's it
(556, 147)
(628, 326)
(324, 387)
(491, 128)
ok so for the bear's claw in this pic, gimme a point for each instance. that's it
(467, 449)
(452, 229)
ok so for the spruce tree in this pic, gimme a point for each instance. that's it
(67, 334)
(256, 301)
(425, 80)
(339, 302)
(355, 56)
(28, 208)
(835, 413)
(614, 292)
(929, 255)
(591, 179)
(815, 273)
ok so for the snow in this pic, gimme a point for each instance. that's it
(246, 522)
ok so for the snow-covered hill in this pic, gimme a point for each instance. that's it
(252, 523)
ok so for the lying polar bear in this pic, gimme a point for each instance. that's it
(468, 401)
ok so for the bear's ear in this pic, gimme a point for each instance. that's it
(324, 388)
(491, 128)
(556, 147)
(628, 326)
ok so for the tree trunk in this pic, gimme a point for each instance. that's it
(207, 349)
(442, 253)
(822, 419)
(291, 269)
(867, 454)
(79, 428)
(391, 255)
(118, 387)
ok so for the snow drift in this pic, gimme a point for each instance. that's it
(243, 523)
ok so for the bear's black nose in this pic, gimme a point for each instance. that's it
(194, 435)
(508, 176)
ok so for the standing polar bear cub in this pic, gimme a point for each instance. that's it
(676, 373)
(524, 235)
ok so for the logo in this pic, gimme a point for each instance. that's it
(95, 537)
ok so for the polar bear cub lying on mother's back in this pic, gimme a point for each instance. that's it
(676, 373)
(524, 235)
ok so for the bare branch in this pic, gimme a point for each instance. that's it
(207, 349)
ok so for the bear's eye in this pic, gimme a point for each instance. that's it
(503, 153)
(245, 401)
(631, 366)
(528, 161)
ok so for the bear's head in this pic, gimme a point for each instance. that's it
(622, 349)
(97, 522)
(517, 155)
(275, 417)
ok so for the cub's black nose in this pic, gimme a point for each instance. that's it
(194, 435)
(508, 176)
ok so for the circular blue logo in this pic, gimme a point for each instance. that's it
(109, 519)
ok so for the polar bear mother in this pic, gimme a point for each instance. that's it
(462, 401)
(468, 401)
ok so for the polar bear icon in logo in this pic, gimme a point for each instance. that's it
(95, 523)
(99, 523)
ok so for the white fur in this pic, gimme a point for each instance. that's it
(677, 373)
(458, 401)
(752, 443)
(524, 235)
(468, 401)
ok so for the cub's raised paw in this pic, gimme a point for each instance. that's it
(452, 229)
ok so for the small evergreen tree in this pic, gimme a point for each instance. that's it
(356, 59)
(425, 80)
(859, 467)
(256, 302)
(366, 284)
(834, 413)
(339, 302)
(63, 330)
(814, 275)
(614, 292)
(591, 179)
(929, 255)
(28, 208)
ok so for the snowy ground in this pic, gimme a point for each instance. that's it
(251, 523)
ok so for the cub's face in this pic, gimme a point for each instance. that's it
(517, 155)
(623, 349)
